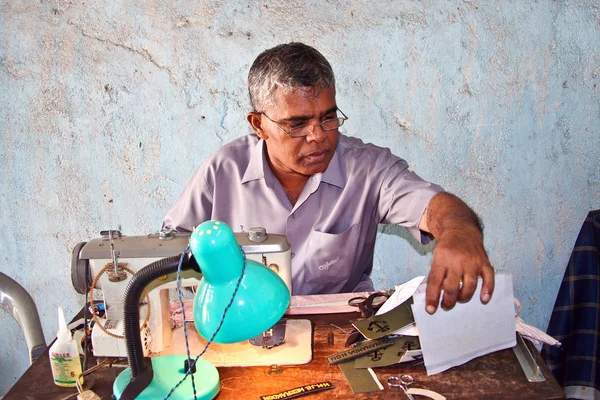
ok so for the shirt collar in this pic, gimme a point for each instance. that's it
(258, 165)
(333, 174)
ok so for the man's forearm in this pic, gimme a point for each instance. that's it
(447, 213)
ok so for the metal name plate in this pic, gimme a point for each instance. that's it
(359, 351)
(379, 326)
(390, 355)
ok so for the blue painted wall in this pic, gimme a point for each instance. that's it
(108, 107)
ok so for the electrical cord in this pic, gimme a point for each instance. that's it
(188, 372)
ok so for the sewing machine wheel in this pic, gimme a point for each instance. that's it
(78, 267)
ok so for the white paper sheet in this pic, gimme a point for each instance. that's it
(469, 330)
(402, 293)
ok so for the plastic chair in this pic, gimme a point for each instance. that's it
(17, 301)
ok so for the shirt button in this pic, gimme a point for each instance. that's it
(293, 215)
(293, 255)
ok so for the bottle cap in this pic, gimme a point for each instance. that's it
(63, 332)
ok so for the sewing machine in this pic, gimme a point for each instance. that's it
(107, 263)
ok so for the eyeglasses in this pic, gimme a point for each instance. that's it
(304, 129)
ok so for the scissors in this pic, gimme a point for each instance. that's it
(369, 305)
(403, 382)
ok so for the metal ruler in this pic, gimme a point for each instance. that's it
(527, 361)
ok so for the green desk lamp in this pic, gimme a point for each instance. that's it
(236, 300)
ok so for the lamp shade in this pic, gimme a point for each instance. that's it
(261, 298)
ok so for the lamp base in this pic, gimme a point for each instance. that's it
(168, 371)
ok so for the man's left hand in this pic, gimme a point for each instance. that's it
(458, 260)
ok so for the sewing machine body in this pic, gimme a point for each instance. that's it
(136, 252)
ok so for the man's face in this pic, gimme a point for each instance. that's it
(290, 156)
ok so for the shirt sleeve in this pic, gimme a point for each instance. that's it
(194, 206)
(404, 196)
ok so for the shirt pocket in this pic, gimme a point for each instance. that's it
(330, 257)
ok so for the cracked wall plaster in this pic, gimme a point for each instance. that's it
(107, 109)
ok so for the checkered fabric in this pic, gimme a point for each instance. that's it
(575, 320)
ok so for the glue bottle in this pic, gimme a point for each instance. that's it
(64, 356)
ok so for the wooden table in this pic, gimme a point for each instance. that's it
(494, 376)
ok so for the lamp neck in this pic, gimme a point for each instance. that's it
(135, 353)
(215, 269)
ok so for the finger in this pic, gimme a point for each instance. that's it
(487, 288)
(451, 288)
(434, 287)
(469, 285)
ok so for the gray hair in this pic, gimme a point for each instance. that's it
(288, 67)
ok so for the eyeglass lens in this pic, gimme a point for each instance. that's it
(326, 125)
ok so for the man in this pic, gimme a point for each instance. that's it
(326, 192)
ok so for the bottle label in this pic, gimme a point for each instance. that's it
(65, 369)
